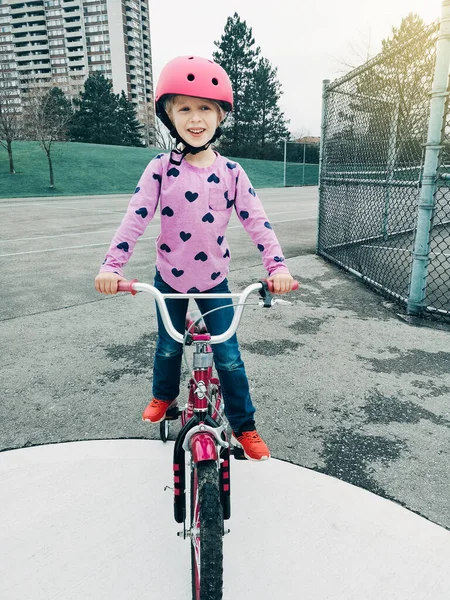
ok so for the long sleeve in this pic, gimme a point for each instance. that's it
(253, 217)
(140, 212)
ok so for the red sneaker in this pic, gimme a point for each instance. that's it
(156, 410)
(253, 446)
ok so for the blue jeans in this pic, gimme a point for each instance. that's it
(227, 358)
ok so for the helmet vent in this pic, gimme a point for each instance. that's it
(190, 58)
(214, 81)
(191, 77)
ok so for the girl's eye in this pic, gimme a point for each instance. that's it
(206, 108)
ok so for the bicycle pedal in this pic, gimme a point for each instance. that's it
(172, 413)
(238, 453)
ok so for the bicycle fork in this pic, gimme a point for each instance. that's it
(205, 441)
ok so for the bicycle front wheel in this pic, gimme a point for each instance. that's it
(206, 532)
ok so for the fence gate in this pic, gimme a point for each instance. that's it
(384, 210)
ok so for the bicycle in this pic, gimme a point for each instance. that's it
(206, 435)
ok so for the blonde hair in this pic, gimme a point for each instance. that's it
(170, 102)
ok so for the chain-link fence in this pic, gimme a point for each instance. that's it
(374, 157)
(301, 164)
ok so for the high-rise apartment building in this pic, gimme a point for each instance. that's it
(61, 42)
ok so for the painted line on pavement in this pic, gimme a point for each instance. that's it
(143, 239)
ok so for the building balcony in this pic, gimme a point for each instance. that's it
(17, 8)
(72, 43)
(32, 38)
(42, 27)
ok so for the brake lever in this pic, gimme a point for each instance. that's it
(273, 301)
(265, 295)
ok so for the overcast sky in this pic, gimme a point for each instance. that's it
(306, 40)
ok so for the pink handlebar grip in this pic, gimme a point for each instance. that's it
(127, 286)
(270, 285)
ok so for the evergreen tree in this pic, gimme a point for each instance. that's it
(127, 123)
(238, 56)
(256, 127)
(95, 121)
(269, 125)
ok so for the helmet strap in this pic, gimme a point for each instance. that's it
(188, 149)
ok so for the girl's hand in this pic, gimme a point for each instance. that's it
(282, 283)
(106, 283)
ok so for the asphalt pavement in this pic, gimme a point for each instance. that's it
(342, 384)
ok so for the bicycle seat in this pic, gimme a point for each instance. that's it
(199, 326)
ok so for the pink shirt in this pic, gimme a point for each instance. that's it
(195, 205)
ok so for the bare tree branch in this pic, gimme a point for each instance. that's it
(10, 114)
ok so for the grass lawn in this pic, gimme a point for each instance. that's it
(93, 169)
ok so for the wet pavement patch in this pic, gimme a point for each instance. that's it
(270, 347)
(137, 359)
(308, 326)
(418, 362)
(383, 410)
(431, 389)
(347, 455)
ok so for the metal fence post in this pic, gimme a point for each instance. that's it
(323, 128)
(419, 272)
(284, 168)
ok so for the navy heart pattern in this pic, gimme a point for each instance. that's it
(214, 276)
(201, 256)
(268, 225)
(227, 254)
(278, 258)
(185, 236)
(260, 247)
(229, 202)
(157, 177)
(167, 211)
(173, 172)
(191, 196)
(177, 273)
(231, 165)
(244, 215)
(160, 156)
(137, 190)
(220, 239)
(208, 218)
(193, 290)
(123, 246)
(213, 178)
(252, 191)
(104, 261)
(142, 211)
(165, 247)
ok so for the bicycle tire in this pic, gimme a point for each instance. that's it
(164, 430)
(207, 532)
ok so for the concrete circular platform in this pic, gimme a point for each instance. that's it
(91, 520)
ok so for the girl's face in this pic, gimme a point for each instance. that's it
(195, 119)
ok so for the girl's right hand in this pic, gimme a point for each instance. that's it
(106, 283)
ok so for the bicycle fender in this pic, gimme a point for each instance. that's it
(203, 447)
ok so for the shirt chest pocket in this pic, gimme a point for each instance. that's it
(218, 199)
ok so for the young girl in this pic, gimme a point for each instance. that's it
(196, 189)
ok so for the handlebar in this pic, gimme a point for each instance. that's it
(135, 286)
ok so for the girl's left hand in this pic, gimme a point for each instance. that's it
(282, 283)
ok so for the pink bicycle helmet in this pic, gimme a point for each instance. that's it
(192, 76)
